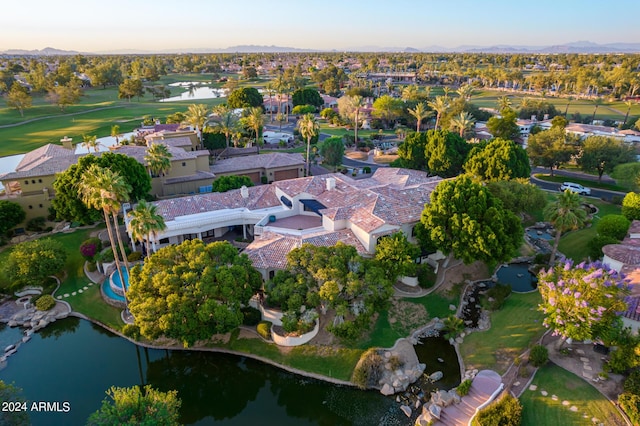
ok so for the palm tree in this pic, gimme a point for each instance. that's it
(463, 122)
(565, 214)
(465, 91)
(270, 88)
(308, 127)
(196, 116)
(90, 142)
(115, 132)
(440, 105)
(504, 102)
(255, 120)
(158, 159)
(100, 188)
(145, 223)
(227, 124)
(597, 102)
(566, 109)
(446, 90)
(628, 104)
(410, 93)
(420, 112)
(356, 103)
(427, 91)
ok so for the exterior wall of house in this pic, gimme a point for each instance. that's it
(35, 195)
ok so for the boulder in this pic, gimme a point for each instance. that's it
(406, 410)
(387, 390)
(435, 410)
(436, 376)
(454, 397)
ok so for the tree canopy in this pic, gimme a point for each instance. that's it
(439, 152)
(576, 298)
(499, 159)
(602, 154)
(31, 262)
(396, 255)
(565, 214)
(333, 277)
(227, 183)
(518, 195)
(191, 291)
(550, 148)
(505, 126)
(130, 88)
(135, 406)
(19, 98)
(631, 206)
(307, 96)
(67, 204)
(465, 219)
(332, 151)
(245, 97)
(11, 214)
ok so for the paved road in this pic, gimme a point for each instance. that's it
(602, 194)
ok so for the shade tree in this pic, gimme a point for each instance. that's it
(191, 291)
(332, 151)
(499, 159)
(631, 206)
(464, 219)
(31, 262)
(601, 154)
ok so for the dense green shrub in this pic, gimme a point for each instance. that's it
(631, 206)
(496, 296)
(507, 411)
(596, 243)
(463, 388)
(36, 224)
(614, 226)
(539, 355)
(45, 302)
(542, 258)
(630, 404)
(132, 331)
(632, 383)
(91, 266)
(369, 369)
(264, 329)
(426, 275)
(134, 256)
(250, 316)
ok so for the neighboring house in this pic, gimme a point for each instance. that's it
(319, 210)
(274, 167)
(625, 257)
(185, 139)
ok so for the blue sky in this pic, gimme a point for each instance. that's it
(153, 25)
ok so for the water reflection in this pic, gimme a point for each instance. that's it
(82, 361)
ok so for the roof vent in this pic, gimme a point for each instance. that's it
(244, 191)
(331, 183)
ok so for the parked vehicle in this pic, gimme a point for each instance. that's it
(575, 187)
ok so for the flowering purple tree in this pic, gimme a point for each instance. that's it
(578, 297)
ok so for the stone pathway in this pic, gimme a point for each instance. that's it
(565, 403)
(77, 292)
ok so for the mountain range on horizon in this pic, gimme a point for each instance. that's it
(573, 47)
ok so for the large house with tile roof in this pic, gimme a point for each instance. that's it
(625, 257)
(319, 210)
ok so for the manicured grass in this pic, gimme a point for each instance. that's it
(584, 182)
(90, 303)
(513, 328)
(436, 304)
(326, 360)
(574, 244)
(543, 410)
(382, 335)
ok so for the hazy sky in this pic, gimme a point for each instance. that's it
(153, 25)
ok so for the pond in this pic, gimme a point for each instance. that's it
(518, 276)
(73, 360)
(438, 355)
(535, 234)
(194, 92)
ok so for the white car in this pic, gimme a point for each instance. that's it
(575, 187)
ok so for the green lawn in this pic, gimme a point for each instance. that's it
(584, 182)
(574, 244)
(541, 410)
(91, 304)
(513, 328)
(326, 360)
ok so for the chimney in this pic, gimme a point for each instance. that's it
(331, 183)
(546, 117)
(67, 143)
(534, 117)
(244, 191)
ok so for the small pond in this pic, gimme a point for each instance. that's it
(438, 355)
(535, 234)
(518, 276)
(193, 92)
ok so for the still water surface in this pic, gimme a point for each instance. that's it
(73, 360)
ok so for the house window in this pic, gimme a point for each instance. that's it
(40, 205)
(272, 274)
(39, 180)
(30, 207)
(26, 182)
(184, 164)
(164, 241)
(33, 181)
